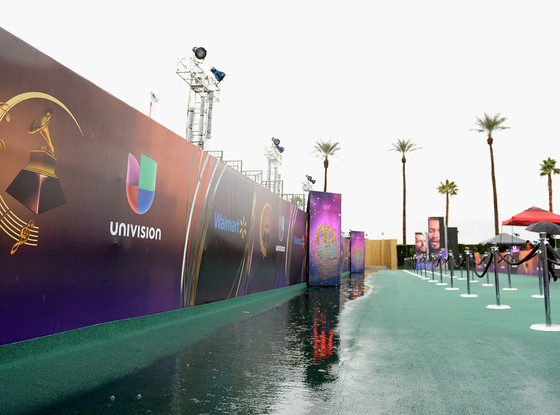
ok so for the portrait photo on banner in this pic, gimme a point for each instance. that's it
(420, 241)
(436, 236)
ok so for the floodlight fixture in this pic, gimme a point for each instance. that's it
(218, 74)
(199, 53)
(276, 141)
(280, 149)
(311, 179)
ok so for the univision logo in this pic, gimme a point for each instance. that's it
(281, 228)
(141, 183)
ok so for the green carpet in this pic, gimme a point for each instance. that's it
(411, 347)
(39, 372)
(408, 347)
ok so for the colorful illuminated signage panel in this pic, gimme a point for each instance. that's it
(324, 238)
(357, 250)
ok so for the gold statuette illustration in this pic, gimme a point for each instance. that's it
(37, 187)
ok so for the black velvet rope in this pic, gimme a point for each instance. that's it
(531, 255)
(551, 252)
(459, 265)
(481, 261)
(487, 267)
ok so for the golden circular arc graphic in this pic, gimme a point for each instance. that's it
(25, 232)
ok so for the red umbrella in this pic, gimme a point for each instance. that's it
(532, 215)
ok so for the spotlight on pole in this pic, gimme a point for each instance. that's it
(280, 149)
(311, 179)
(218, 74)
(199, 53)
(275, 141)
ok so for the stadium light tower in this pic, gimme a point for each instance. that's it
(204, 90)
(274, 155)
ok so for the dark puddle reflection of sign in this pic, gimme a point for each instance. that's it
(266, 363)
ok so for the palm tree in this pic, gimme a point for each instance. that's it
(403, 147)
(448, 189)
(548, 168)
(325, 149)
(488, 125)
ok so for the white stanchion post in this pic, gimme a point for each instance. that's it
(468, 261)
(498, 305)
(548, 326)
(461, 278)
(440, 261)
(487, 283)
(451, 262)
(509, 287)
(539, 269)
(432, 267)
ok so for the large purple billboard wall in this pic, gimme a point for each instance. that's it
(324, 238)
(246, 240)
(105, 214)
(357, 252)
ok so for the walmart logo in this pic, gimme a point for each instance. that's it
(141, 183)
(223, 223)
(243, 230)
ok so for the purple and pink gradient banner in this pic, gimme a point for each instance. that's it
(110, 215)
(324, 238)
(357, 252)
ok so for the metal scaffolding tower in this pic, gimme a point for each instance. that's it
(204, 90)
(273, 182)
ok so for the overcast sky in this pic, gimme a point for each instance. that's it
(364, 73)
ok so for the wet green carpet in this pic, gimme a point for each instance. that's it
(42, 371)
(411, 347)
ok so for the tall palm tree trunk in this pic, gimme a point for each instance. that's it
(404, 201)
(550, 192)
(447, 209)
(494, 192)
(326, 164)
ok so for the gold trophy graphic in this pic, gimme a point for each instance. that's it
(37, 186)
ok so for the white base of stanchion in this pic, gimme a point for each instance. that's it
(498, 307)
(462, 279)
(509, 289)
(441, 283)
(469, 295)
(452, 289)
(424, 278)
(537, 296)
(432, 281)
(475, 281)
(487, 285)
(544, 327)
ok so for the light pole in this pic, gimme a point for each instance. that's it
(274, 155)
(204, 90)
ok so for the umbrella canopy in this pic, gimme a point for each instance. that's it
(546, 227)
(532, 215)
(503, 239)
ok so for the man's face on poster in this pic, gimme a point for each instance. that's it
(420, 244)
(433, 235)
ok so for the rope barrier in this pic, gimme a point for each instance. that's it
(531, 255)
(481, 261)
(552, 252)
(483, 272)
(459, 265)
